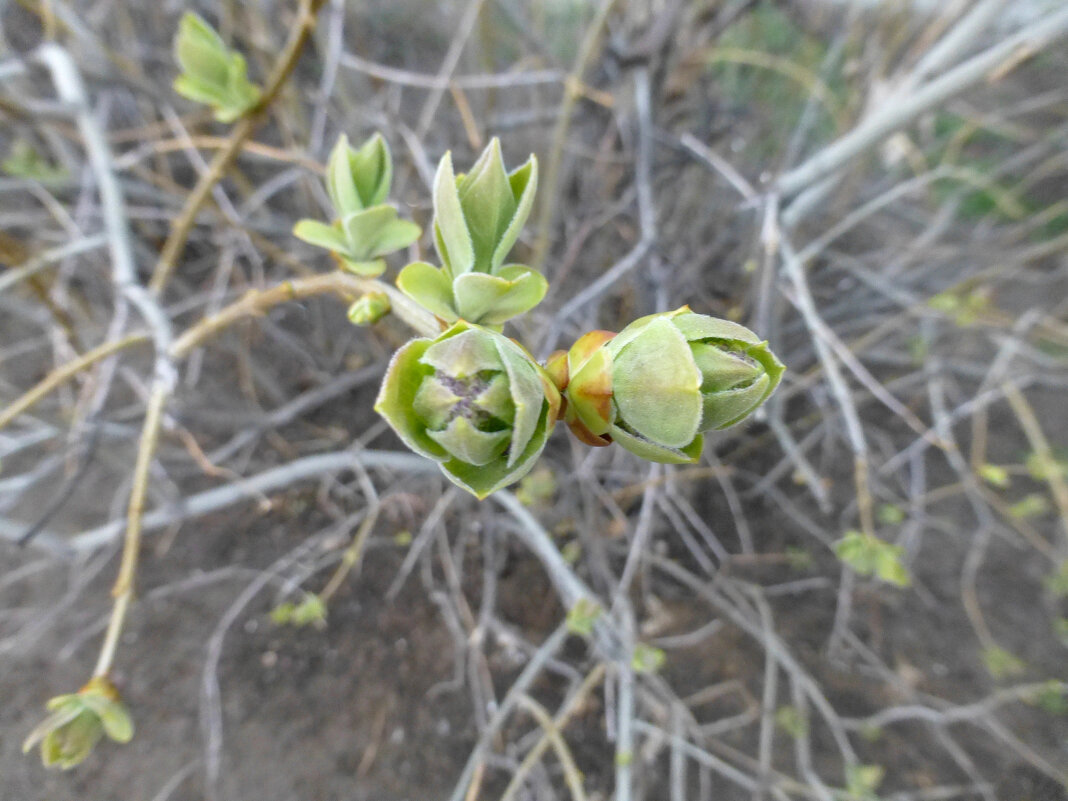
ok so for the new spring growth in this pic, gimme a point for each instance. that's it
(369, 309)
(654, 387)
(77, 723)
(477, 219)
(472, 400)
(212, 73)
(366, 227)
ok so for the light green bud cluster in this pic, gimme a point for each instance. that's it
(366, 228)
(477, 219)
(477, 402)
(212, 73)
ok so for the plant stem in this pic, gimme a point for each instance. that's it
(67, 371)
(547, 205)
(183, 223)
(123, 590)
(258, 301)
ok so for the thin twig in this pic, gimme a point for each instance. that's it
(547, 202)
(895, 116)
(66, 372)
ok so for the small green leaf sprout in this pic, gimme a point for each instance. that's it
(582, 617)
(23, 161)
(78, 722)
(212, 73)
(863, 780)
(369, 309)
(647, 659)
(366, 227)
(871, 556)
(309, 610)
(1001, 663)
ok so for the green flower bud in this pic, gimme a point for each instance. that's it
(369, 309)
(662, 381)
(77, 723)
(472, 400)
(367, 227)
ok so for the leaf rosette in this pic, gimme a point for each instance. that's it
(473, 401)
(477, 220)
(367, 228)
(662, 381)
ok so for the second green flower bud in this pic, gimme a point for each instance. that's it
(663, 380)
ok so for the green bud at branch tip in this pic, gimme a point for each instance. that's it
(655, 387)
(473, 401)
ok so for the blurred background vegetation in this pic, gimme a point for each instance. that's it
(863, 594)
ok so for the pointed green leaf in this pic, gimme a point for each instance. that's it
(465, 354)
(524, 183)
(68, 745)
(61, 716)
(212, 73)
(488, 204)
(113, 716)
(243, 93)
(372, 170)
(528, 395)
(482, 481)
(430, 288)
(451, 235)
(527, 291)
(727, 407)
(363, 229)
(702, 326)
(469, 444)
(723, 367)
(340, 183)
(71, 701)
(396, 235)
(200, 52)
(376, 232)
(192, 88)
(321, 235)
(434, 403)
